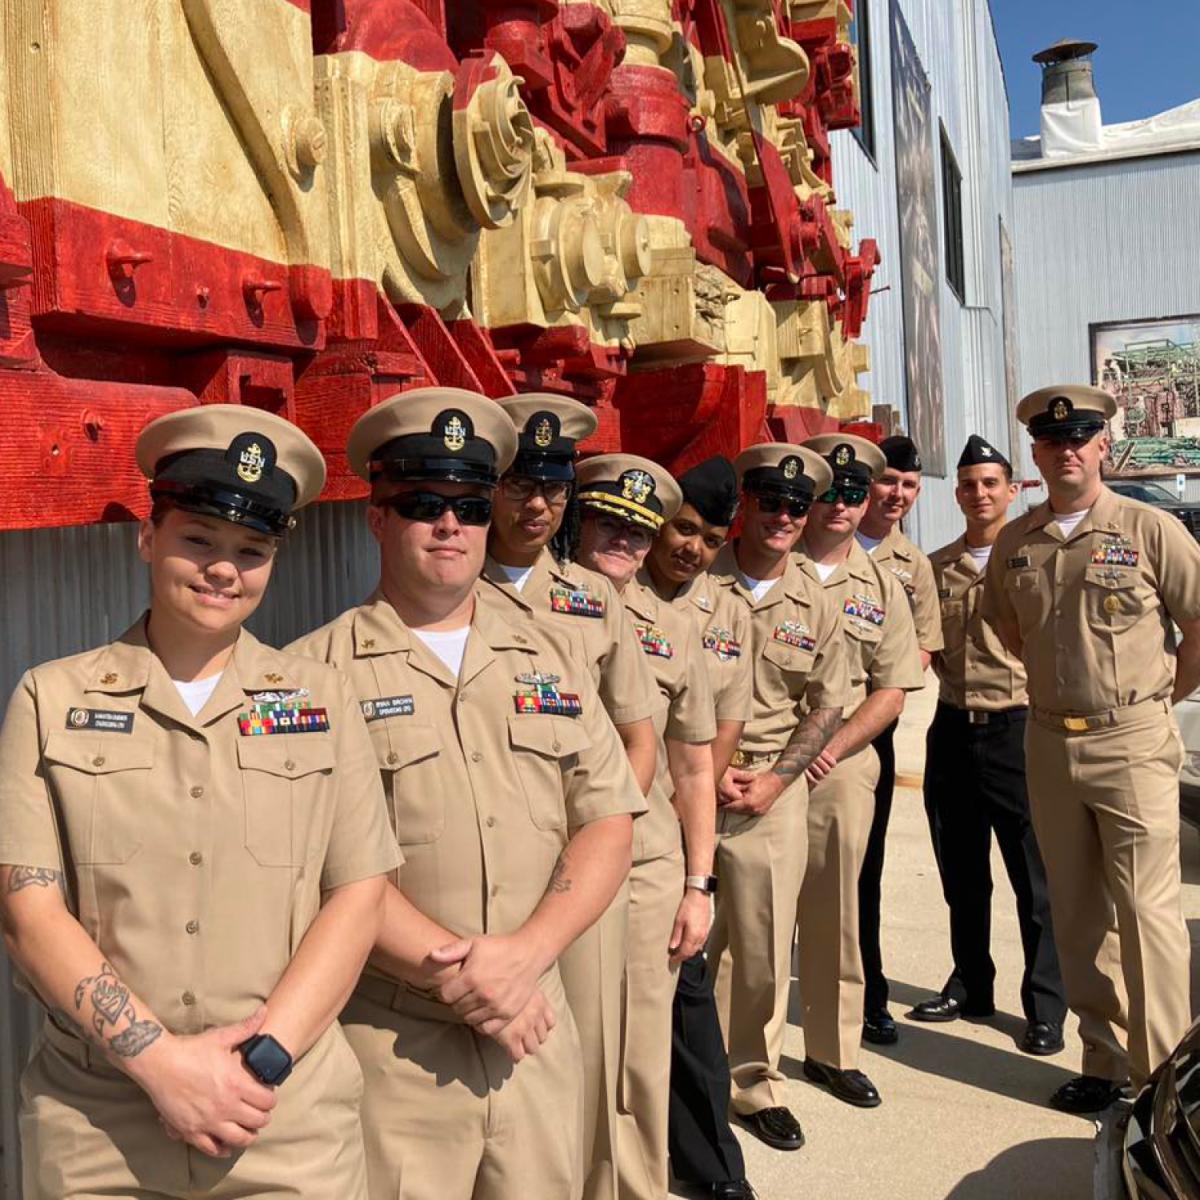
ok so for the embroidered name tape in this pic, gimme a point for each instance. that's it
(655, 642)
(100, 719)
(576, 602)
(722, 643)
(387, 706)
(263, 719)
(1018, 561)
(792, 633)
(864, 608)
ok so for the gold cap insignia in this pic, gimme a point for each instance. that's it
(543, 434)
(454, 434)
(637, 486)
(251, 462)
(843, 456)
(1061, 409)
(790, 468)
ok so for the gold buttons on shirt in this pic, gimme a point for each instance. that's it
(393, 758)
(193, 927)
(188, 999)
(196, 792)
(195, 858)
(289, 765)
(491, 821)
(476, 756)
(98, 761)
(1112, 604)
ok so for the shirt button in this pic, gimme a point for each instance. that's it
(495, 890)
(476, 756)
(195, 858)
(193, 927)
(557, 745)
(393, 758)
(197, 792)
(188, 999)
(98, 761)
(289, 765)
(491, 821)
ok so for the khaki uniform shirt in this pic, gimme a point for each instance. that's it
(485, 775)
(909, 565)
(195, 854)
(587, 604)
(685, 714)
(974, 669)
(799, 663)
(1095, 610)
(723, 623)
(881, 642)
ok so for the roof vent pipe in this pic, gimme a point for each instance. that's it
(1071, 121)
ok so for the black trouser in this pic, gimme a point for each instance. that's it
(870, 876)
(974, 786)
(702, 1146)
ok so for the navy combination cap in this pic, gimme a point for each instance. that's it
(549, 429)
(852, 459)
(901, 453)
(233, 462)
(1066, 410)
(782, 469)
(978, 452)
(711, 488)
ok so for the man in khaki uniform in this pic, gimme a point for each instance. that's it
(891, 499)
(704, 1151)
(512, 799)
(978, 733)
(526, 582)
(196, 847)
(1085, 589)
(624, 501)
(882, 656)
(800, 685)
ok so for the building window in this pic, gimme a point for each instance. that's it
(860, 32)
(956, 269)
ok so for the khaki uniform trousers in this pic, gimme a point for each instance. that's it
(655, 889)
(88, 1131)
(447, 1115)
(840, 811)
(1105, 805)
(760, 864)
(592, 969)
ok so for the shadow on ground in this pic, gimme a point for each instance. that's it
(1050, 1169)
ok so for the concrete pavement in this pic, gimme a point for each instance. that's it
(963, 1114)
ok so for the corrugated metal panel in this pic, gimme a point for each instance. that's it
(958, 49)
(67, 590)
(1114, 241)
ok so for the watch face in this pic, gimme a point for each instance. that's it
(267, 1060)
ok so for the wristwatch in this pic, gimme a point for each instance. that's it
(266, 1059)
(702, 883)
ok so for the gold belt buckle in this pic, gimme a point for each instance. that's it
(1076, 724)
(739, 759)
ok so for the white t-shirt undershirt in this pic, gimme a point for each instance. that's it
(869, 544)
(1068, 521)
(982, 556)
(196, 692)
(824, 570)
(758, 588)
(449, 645)
(517, 576)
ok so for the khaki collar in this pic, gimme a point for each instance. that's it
(1102, 516)
(725, 572)
(895, 545)
(641, 600)
(858, 565)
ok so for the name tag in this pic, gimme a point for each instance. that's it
(943, 593)
(387, 706)
(1019, 561)
(100, 719)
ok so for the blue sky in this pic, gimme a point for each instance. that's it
(1147, 61)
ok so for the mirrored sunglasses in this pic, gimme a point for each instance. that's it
(793, 506)
(849, 494)
(428, 507)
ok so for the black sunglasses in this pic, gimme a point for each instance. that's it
(849, 494)
(794, 507)
(428, 507)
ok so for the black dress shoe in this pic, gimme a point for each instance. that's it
(734, 1189)
(1086, 1094)
(775, 1126)
(1042, 1038)
(879, 1029)
(853, 1087)
(946, 1008)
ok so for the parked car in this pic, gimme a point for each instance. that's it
(1154, 493)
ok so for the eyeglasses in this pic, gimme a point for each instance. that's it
(794, 507)
(848, 494)
(523, 487)
(636, 535)
(427, 507)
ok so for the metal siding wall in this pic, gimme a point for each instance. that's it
(1112, 241)
(958, 49)
(67, 590)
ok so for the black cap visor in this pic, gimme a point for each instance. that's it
(1079, 427)
(444, 470)
(225, 504)
(549, 467)
(769, 481)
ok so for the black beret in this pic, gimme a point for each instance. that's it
(978, 452)
(711, 488)
(901, 453)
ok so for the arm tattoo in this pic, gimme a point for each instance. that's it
(560, 881)
(110, 1007)
(19, 878)
(811, 736)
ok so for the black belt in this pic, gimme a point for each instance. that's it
(975, 716)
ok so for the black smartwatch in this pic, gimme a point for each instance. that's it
(702, 883)
(266, 1059)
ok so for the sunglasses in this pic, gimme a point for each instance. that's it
(522, 487)
(428, 507)
(848, 494)
(770, 505)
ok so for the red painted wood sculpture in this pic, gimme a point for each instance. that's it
(305, 205)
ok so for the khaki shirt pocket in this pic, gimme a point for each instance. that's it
(1112, 599)
(864, 638)
(408, 758)
(282, 780)
(794, 663)
(545, 749)
(102, 785)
